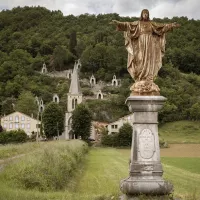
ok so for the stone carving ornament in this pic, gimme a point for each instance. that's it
(146, 144)
(145, 43)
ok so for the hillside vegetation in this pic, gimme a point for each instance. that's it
(30, 36)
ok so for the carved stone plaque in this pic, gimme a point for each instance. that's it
(146, 143)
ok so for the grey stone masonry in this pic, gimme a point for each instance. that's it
(145, 166)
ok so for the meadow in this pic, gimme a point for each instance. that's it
(180, 132)
(98, 177)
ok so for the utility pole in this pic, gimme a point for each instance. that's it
(37, 127)
(57, 131)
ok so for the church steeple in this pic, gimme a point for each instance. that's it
(75, 94)
(75, 85)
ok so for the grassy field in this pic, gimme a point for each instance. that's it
(180, 132)
(98, 178)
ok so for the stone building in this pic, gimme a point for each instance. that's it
(115, 81)
(18, 120)
(40, 104)
(74, 98)
(69, 73)
(44, 69)
(99, 95)
(56, 98)
(92, 80)
(115, 126)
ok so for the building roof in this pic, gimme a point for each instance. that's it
(19, 113)
(125, 117)
(75, 85)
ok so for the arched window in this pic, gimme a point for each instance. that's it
(69, 121)
(41, 108)
(76, 102)
(73, 104)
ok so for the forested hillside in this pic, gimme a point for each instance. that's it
(30, 36)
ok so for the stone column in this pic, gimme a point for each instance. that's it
(145, 167)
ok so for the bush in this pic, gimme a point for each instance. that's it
(110, 140)
(125, 135)
(163, 143)
(87, 92)
(14, 136)
(121, 139)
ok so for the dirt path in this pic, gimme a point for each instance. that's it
(181, 150)
(4, 162)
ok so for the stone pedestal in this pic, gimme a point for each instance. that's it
(145, 167)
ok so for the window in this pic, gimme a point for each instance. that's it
(5, 125)
(73, 106)
(37, 125)
(23, 126)
(28, 126)
(17, 126)
(76, 102)
(10, 118)
(10, 125)
(114, 126)
(16, 118)
(23, 118)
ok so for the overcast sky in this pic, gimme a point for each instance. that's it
(157, 8)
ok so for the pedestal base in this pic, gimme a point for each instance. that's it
(165, 197)
(138, 186)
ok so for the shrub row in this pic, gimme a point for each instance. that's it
(123, 138)
(14, 136)
(50, 168)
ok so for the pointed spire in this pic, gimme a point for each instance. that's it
(75, 85)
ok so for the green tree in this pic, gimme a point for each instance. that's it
(195, 111)
(73, 42)
(60, 58)
(8, 105)
(26, 103)
(53, 120)
(125, 135)
(81, 121)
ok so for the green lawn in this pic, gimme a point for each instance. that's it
(180, 132)
(99, 178)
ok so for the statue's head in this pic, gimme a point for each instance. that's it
(144, 15)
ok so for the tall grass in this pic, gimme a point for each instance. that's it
(11, 150)
(51, 168)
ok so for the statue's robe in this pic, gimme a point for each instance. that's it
(145, 43)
